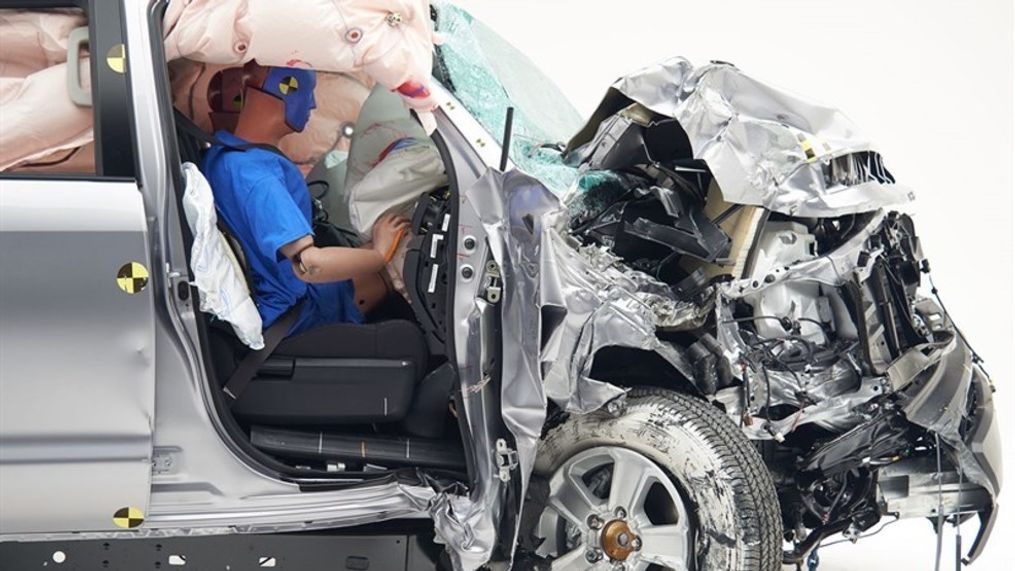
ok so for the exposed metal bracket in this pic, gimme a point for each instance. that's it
(493, 284)
(507, 460)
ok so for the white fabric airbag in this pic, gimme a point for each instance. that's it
(395, 184)
(217, 274)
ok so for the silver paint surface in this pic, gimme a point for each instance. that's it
(77, 356)
(753, 137)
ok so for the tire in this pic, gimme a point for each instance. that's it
(728, 494)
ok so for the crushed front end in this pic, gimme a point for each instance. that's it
(800, 298)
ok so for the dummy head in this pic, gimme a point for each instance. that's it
(277, 96)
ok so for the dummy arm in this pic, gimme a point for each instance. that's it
(321, 265)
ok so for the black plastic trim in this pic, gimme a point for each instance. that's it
(397, 546)
(113, 104)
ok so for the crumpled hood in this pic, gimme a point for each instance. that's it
(764, 146)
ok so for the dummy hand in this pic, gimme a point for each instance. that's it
(387, 233)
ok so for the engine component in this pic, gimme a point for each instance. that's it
(651, 228)
(879, 440)
(633, 136)
(783, 244)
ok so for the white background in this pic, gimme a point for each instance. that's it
(929, 81)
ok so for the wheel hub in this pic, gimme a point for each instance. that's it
(633, 520)
(618, 540)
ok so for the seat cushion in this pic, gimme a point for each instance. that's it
(338, 374)
(394, 339)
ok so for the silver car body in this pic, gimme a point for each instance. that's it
(135, 426)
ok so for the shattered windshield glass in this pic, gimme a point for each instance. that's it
(488, 75)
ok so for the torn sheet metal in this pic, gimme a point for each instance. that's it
(511, 209)
(764, 146)
(826, 397)
(837, 413)
(937, 397)
(467, 523)
(802, 388)
(938, 385)
(580, 301)
(599, 303)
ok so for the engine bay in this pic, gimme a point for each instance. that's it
(816, 329)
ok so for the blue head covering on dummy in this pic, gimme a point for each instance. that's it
(295, 87)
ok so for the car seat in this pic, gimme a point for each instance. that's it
(333, 375)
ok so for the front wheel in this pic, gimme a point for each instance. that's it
(671, 483)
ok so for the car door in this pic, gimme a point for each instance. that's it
(76, 312)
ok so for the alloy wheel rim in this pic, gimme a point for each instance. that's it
(611, 508)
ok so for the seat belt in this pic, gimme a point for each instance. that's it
(189, 127)
(248, 367)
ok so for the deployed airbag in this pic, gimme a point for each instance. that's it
(33, 69)
(390, 40)
(217, 275)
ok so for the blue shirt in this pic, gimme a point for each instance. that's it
(263, 200)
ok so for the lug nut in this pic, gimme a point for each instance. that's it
(636, 544)
(594, 521)
(620, 512)
(593, 555)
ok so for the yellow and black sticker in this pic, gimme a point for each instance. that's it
(116, 58)
(288, 84)
(808, 149)
(128, 518)
(132, 277)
